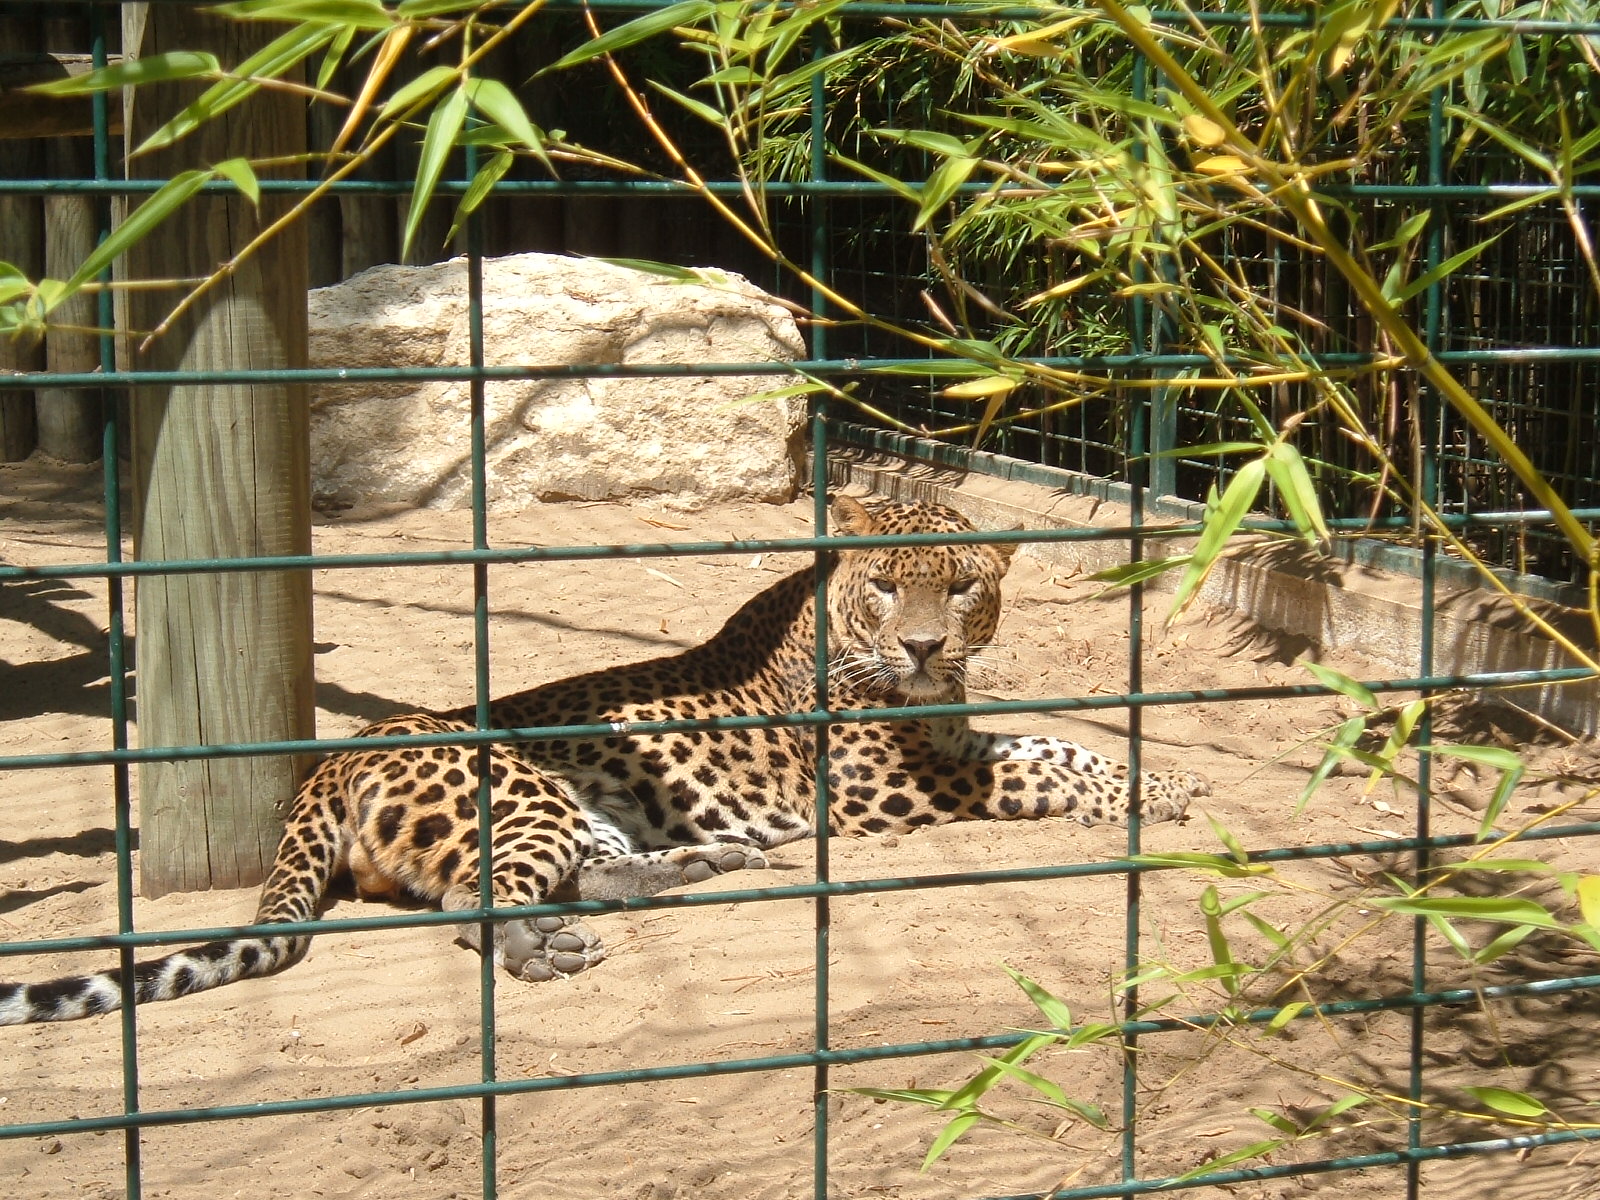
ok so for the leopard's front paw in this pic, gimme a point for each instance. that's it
(1165, 795)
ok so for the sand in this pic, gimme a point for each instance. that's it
(374, 1011)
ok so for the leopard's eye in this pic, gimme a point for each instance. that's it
(885, 587)
(962, 586)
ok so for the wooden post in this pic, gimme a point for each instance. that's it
(219, 471)
(69, 418)
(21, 245)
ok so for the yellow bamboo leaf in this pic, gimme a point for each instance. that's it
(1204, 131)
(1036, 43)
(1065, 288)
(979, 389)
(1222, 164)
(1589, 899)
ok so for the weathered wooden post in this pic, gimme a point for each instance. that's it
(21, 245)
(220, 470)
(69, 418)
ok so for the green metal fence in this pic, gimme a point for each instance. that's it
(1126, 444)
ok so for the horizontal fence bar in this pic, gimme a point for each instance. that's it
(776, 1062)
(1119, 364)
(1476, 681)
(530, 554)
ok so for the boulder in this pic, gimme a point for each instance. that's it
(684, 441)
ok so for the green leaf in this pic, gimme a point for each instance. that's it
(1243, 1154)
(1504, 944)
(242, 175)
(156, 68)
(1588, 892)
(437, 143)
(708, 114)
(489, 174)
(1272, 933)
(1235, 847)
(1129, 574)
(496, 102)
(1054, 1010)
(942, 183)
(162, 203)
(13, 283)
(1298, 492)
(1448, 267)
(948, 1135)
(1509, 910)
(687, 12)
(1488, 756)
(928, 1097)
(1277, 1120)
(1214, 864)
(1286, 1014)
(270, 62)
(1221, 523)
(1344, 685)
(1514, 1104)
(361, 14)
(434, 79)
(1052, 1093)
(665, 270)
(1343, 739)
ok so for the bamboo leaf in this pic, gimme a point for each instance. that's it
(437, 142)
(1343, 684)
(708, 114)
(1286, 1014)
(488, 174)
(687, 12)
(359, 14)
(13, 283)
(1221, 523)
(982, 389)
(943, 183)
(242, 175)
(156, 68)
(1055, 1011)
(1445, 269)
(1129, 574)
(1509, 910)
(948, 1135)
(1343, 739)
(496, 102)
(928, 1097)
(1298, 492)
(1502, 1100)
(1504, 944)
(270, 62)
(1243, 1154)
(1588, 890)
(434, 79)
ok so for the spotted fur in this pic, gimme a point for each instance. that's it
(635, 812)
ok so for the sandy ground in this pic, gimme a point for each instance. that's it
(399, 1009)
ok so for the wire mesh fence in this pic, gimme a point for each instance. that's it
(1517, 326)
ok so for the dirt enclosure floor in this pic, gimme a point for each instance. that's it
(399, 1009)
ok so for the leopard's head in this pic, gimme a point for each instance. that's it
(905, 622)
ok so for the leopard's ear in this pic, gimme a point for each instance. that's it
(850, 517)
(1007, 549)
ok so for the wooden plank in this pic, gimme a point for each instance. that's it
(219, 471)
(21, 245)
(70, 423)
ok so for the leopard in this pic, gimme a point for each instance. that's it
(630, 803)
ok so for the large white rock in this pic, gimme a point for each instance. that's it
(685, 441)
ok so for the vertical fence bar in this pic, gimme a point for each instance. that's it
(1428, 431)
(481, 716)
(116, 629)
(1139, 416)
(818, 408)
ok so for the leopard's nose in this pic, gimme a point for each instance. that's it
(922, 649)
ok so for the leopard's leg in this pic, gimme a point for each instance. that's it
(647, 872)
(417, 832)
(919, 787)
(952, 737)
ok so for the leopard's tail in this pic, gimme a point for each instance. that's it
(195, 969)
(314, 848)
